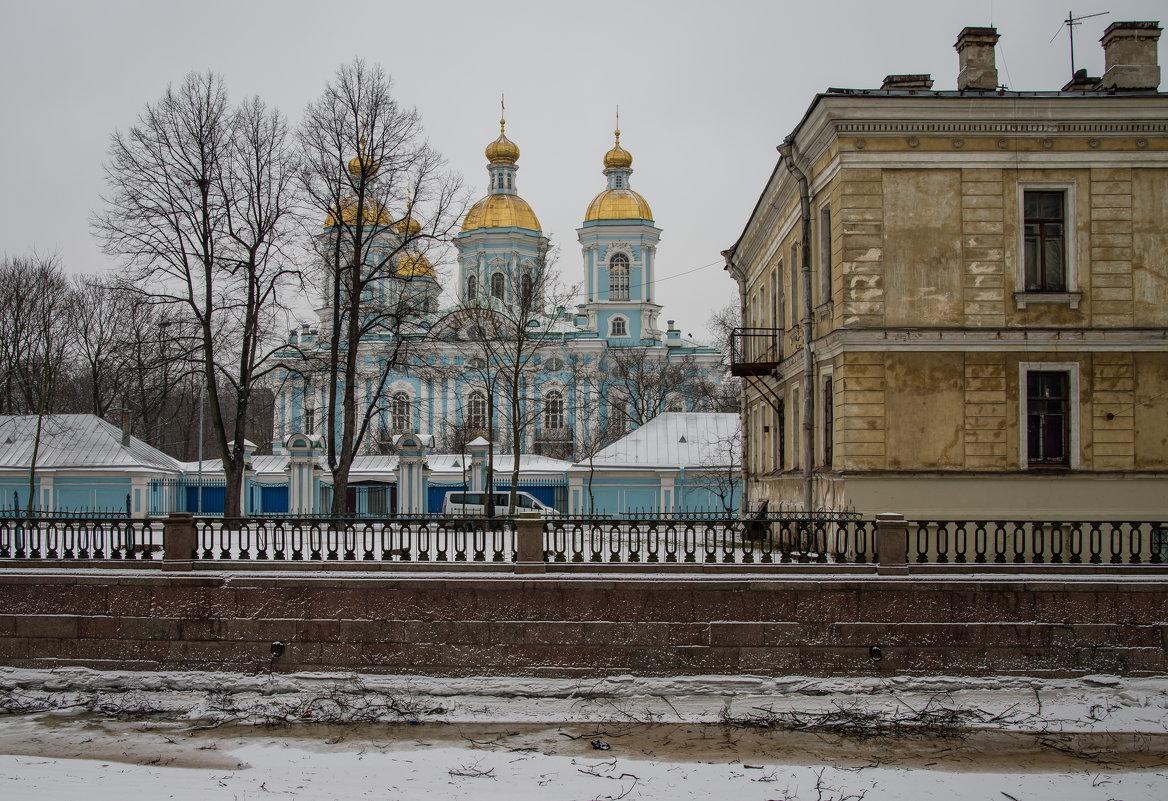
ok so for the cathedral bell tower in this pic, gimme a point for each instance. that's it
(501, 247)
(619, 245)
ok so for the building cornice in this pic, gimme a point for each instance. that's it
(1029, 340)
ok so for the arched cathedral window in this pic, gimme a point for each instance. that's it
(497, 285)
(476, 410)
(618, 277)
(400, 411)
(553, 410)
(472, 286)
(525, 291)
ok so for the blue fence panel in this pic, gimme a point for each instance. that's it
(274, 499)
(213, 498)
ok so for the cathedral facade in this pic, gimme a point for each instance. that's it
(588, 374)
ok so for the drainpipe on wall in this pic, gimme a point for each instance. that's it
(788, 152)
(740, 279)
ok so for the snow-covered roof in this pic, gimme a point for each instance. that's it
(76, 442)
(676, 439)
(446, 467)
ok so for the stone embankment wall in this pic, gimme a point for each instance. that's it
(559, 625)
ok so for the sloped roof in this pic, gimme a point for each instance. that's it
(76, 442)
(676, 439)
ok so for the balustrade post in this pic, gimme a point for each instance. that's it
(529, 556)
(179, 541)
(891, 543)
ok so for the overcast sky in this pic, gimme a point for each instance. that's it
(706, 90)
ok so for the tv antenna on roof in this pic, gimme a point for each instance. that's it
(1069, 23)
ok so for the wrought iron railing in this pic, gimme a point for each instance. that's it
(79, 537)
(400, 539)
(755, 350)
(823, 538)
(1037, 542)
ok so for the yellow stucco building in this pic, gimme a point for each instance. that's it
(982, 276)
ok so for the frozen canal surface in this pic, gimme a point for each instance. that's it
(81, 734)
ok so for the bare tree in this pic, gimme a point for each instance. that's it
(199, 212)
(727, 396)
(506, 339)
(386, 197)
(642, 382)
(36, 343)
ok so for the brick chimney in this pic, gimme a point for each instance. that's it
(975, 48)
(905, 82)
(1129, 56)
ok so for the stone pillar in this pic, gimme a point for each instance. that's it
(301, 469)
(479, 449)
(529, 556)
(412, 450)
(179, 541)
(891, 543)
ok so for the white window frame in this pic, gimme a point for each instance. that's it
(550, 412)
(612, 332)
(1073, 409)
(1072, 295)
(393, 416)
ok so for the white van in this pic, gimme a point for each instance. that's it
(473, 504)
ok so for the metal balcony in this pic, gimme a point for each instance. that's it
(755, 351)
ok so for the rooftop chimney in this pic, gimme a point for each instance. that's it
(975, 48)
(1081, 82)
(1129, 56)
(125, 429)
(904, 82)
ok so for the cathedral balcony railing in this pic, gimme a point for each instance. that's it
(755, 351)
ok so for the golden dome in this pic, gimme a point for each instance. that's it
(408, 226)
(501, 211)
(618, 156)
(502, 150)
(415, 265)
(356, 165)
(374, 213)
(618, 204)
(360, 163)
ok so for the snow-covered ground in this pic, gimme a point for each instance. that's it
(105, 735)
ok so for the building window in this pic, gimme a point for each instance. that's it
(498, 284)
(781, 425)
(828, 423)
(508, 181)
(1047, 418)
(795, 427)
(554, 364)
(618, 327)
(553, 410)
(525, 291)
(472, 286)
(476, 410)
(400, 411)
(309, 413)
(796, 312)
(1045, 241)
(675, 402)
(825, 254)
(618, 182)
(618, 277)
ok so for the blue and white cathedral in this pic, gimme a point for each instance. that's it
(575, 380)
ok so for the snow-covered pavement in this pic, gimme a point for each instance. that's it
(106, 735)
